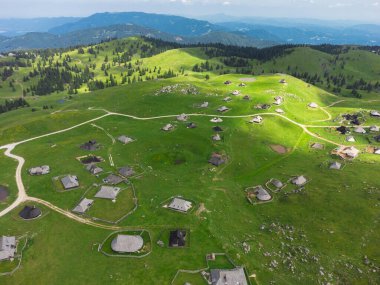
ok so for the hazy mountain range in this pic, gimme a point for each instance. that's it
(17, 34)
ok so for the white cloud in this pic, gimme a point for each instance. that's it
(226, 3)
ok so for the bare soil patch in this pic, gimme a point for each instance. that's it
(370, 149)
(247, 79)
(280, 148)
(3, 193)
(201, 209)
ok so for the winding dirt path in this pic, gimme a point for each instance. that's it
(71, 215)
(21, 196)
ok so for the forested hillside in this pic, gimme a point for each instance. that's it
(343, 70)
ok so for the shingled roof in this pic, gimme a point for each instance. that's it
(91, 145)
(126, 171)
(234, 276)
(125, 140)
(167, 127)
(336, 165)
(30, 212)
(277, 183)
(70, 182)
(216, 120)
(177, 238)
(181, 205)
(360, 130)
(299, 180)
(108, 192)
(127, 243)
(216, 159)
(256, 120)
(223, 109)
(317, 146)
(7, 247)
(113, 179)
(313, 105)
(182, 117)
(94, 169)
(83, 206)
(262, 194)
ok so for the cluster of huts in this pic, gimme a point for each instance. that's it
(350, 152)
(178, 237)
(125, 243)
(278, 100)
(109, 191)
(260, 194)
(346, 152)
(182, 118)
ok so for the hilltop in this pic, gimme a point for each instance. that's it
(344, 70)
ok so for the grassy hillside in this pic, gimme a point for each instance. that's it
(302, 236)
(313, 225)
(347, 71)
(113, 63)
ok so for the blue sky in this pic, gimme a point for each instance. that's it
(362, 10)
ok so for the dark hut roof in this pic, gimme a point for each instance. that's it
(113, 179)
(343, 130)
(3, 193)
(126, 171)
(30, 212)
(191, 126)
(216, 159)
(177, 238)
(90, 145)
(217, 129)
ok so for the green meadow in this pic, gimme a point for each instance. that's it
(317, 235)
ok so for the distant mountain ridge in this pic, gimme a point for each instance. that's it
(65, 32)
(16, 27)
(81, 37)
(97, 35)
(310, 34)
(175, 25)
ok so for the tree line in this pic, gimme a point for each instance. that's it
(13, 104)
